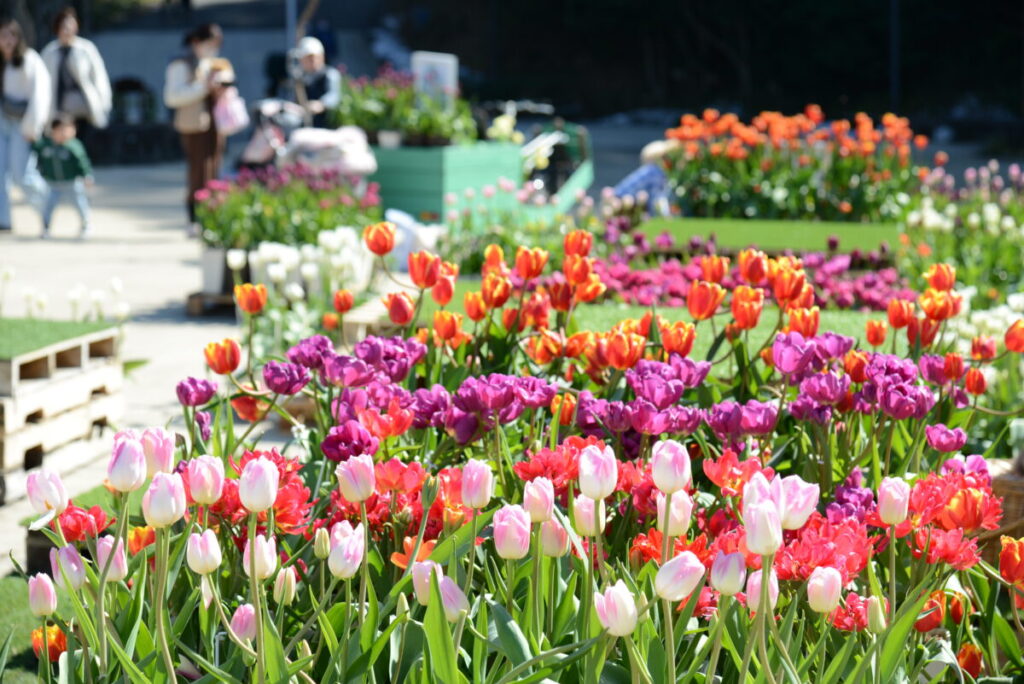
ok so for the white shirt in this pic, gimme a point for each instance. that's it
(30, 82)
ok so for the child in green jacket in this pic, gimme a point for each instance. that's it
(64, 164)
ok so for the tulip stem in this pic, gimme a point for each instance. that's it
(763, 616)
(892, 573)
(821, 648)
(160, 605)
(101, 619)
(44, 654)
(535, 590)
(254, 585)
(325, 596)
(552, 595)
(510, 585)
(227, 622)
(472, 552)
(670, 641)
(723, 612)
(598, 533)
(364, 581)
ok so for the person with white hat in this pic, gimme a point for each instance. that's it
(318, 86)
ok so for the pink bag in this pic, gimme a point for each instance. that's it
(229, 113)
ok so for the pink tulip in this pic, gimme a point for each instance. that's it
(554, 539)
(158, 445)
(760, 490)
(347, 555)
(678, 515)
(893, 500)
(118, 565)
(453, 599)
(599, 472)
(42, 595)
(46, 492)
(677, 578)
(512, 532)
(421, 579)
(204, 476)
(163, 503)
(477, 484)
(67, 567)
(266, 557)
(356, 478)
(243, 622)
(583, 516)
(754, 590)
(203, 552)
(728, 572)
(616, 609)
(257, 487)
(539, 499)
(126, 470)
(670, 466)
(764, 529)
(824, 588)
(801, 498)
(340, 531)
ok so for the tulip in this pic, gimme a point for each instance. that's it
(1014, 337)
(763, 526)
(728, 572)
(893, 500)
(804, 320)
(401, 308)
(747, 305)
(713, 267)
(530, 262)
(754, 588)
(678, 515)
(875, 331)
(1011, 560)
(975, 382)
(223, 357)
(424, 269)
(824, 588)
(447, 325)
(539, 499)
(195, 392)
(876, 615)
(969, 658)
(577, 269)
(46, 491)
(204, 477)
(495, 289)
(53, 643)
(474, 305)
(380, 237)
(598, 471)
(284, 586)
(257, 487)
(421, 571)
(943, 439)
(900, 313)
(670, 466)
(453, 599)
(704, 299)
(251, 298)
(243, 622)
(477, 484)
(347, 554)
(578, 242)
(801, 498)
(583, 516)
(933, 612)
(42, 595)
(343, 301)
(512, 532)
(285, 378)
(677, 578)
(624, 349)
(118, 569)
(163, 503)
(203, 553)
(616, 609)
(126, 470)
(678, 337)
(554, 539)
(158, 445)
(266, 557)
(356, 478)
(939, 305)
(67, 567)
(322, 543)
(941, 276)
(443, 290)
(753, 265)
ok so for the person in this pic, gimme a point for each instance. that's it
(192, 84)
(67, 170)
(318, 87)
(81, 87)
(25, 88)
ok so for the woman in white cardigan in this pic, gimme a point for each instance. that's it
(81, 87)
(25, 89)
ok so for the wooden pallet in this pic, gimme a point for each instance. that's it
(370, 318)
(41, 364)
(203, 303)
(64, 460)
(41, 399)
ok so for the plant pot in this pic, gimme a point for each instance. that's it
(389, 140)
(216, 275)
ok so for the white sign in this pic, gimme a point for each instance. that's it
(436, 75)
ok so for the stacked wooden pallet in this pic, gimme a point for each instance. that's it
(53, 397)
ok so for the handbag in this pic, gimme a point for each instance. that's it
(229, 113)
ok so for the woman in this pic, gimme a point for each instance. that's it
(25, 88)
(192, 85)
(81, 87)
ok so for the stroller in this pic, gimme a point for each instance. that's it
(273, 121)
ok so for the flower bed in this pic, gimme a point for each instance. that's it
(523, 499)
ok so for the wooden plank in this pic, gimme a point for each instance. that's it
(66, 389)
(63, 460)
(40, 363)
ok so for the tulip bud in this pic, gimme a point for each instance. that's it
(754, 589)
(67, 567)
(204, 476)
(266, 557)
(678, 516)
(303, 650)
(893, 500)
(539, 499)
(163, 503)
(428, 492)
(243, 622)
(203, 552)
(42, 595)
(764, 529)
(322, 543)
(554, 539)
(616, 609)
(158, 445)
(46, 491)
(126, 470)
(677, 578)
(876, 615)
(356, 478)
(801, 498)
(284, 586)
(401, 605)
(347, 554)
(257, 487)
(453, 598)
(118, 569)
(728, 572)
(598, 472)
(512, 532)
(824, 588)
(477, 484)
(583, 516)
(670, 466)
(421, 571)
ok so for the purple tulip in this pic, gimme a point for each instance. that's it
(429, 406)
(346, 371)
(285, 378)
(310, 352)
(805, 408)
(941, 438)
(758, 418)
(725, 419)
(347, 440)
(195, 392)
(792, 352)
(825, 388)
(973, 464)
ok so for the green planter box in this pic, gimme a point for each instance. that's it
(776, 236)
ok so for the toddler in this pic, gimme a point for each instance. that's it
(65, 166)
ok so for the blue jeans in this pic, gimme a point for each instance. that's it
(17, 166)
(56, 190)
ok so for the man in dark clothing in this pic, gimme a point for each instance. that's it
(318, 88)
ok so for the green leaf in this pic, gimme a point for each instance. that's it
(369, 626)
(368, 657)
(459, 543)
(134, 673)
(1007, 640)
(479, 645)
(510, 638)
(440, 647)
(273, 653)
(837, 669)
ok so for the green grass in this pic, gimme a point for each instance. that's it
(22, 335)
(774, 235)
(18, 620)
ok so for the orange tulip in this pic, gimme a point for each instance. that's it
(424, 269)
(447, 325)
(983, 348)
(938, 305)
(969, 657)
(530, 262)
(590, 290)
(953, 367)
(380, 237)
(932, 613)
(855, 364)
(395, 422)
(560, 293)
(401, 308)
(704, 299)
(941, 277)
(496, 290)
(444, 290)
(476, 308)
(678, 337)
(788, 284)
(251, 298)
(875, 332)
(577, 269)
(330, 321)
(343, 301)
(545, 347)
(713, 267)
(805, 321)
(512, 318)
(250, 408)
(900, 312)
(922, 331)
(223, 357)
(1014, 338)
(747, 304)
(56, 642)
(409, 544)
(624, 350)
(578, 242)
(494, 261)
(139, 538)
(1011, 560)
(564, 406)
(975, 382)
(753, 265)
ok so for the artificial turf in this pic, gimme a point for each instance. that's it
(775, 236)
(21, 335)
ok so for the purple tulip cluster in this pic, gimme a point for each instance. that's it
(393, 356)
(852, 500)
(482, 402)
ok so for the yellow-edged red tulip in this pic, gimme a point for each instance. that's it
(805, 321)
(939, 305)
(714, 267)
(704, 299)
(578, 242)
(590, 290)
(875, 332)
(624, 350)
(475, 306)
(380, 237)
(223, 357)
(975, 381)
(577, 269)
(560, 293)
(251, 298)
(1014, 338)
(496, 290)
(343, 301)
(900, 313)
(494, 260)
(678, 337)
(753, 265)
(424, 269)
(941, 277)
(747, 304)
(447, 325)
(530, 262)
(401, 308)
